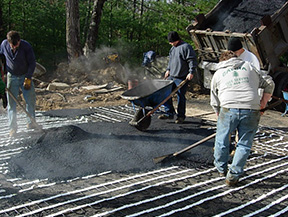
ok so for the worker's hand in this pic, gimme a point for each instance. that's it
(167, 73)
(265, 98)
(27, 84)
(189, 77)
(4, 100)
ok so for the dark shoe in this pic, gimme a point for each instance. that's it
(231, 183)
(179, 120)
(4, 100)
(165, 117)
(13, 133)
(32, 126)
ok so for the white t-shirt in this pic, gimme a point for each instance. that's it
(235, 85)
(251, 58)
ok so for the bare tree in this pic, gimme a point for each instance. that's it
(73, 29)
(90, 44)
(1, 21)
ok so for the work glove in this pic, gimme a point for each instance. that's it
(27, 84)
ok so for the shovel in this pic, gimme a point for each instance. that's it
(31, 118)
(141, 124)
(274, 104)
(160, 159)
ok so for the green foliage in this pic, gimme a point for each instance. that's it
(40, 22)
(125, 25)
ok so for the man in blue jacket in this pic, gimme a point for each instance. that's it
(20, 63)
(182, 64)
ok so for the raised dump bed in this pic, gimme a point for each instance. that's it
(262, 27)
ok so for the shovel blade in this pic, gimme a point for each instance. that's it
(141, 121)
(157, 160)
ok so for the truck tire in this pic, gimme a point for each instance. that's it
(281, 84)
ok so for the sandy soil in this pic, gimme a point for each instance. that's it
(115, 78)
(197, 103)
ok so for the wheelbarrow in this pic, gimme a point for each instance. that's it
(149, 94)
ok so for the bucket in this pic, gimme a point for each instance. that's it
(132, 83)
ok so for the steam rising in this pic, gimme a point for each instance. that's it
(100, 67)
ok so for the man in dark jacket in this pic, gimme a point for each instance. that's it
(182, 64)
(20, 63)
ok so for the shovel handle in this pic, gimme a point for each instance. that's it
(168, 97)
(278, 98)
(194, 144)
(278, 102)
(31, 118)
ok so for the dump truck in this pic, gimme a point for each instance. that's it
(262, 27)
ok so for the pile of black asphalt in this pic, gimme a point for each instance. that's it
(92, 148)
(247, 15)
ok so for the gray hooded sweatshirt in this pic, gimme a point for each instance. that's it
(235, 85)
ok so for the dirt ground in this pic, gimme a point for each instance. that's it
(93, 88)
(103, 87)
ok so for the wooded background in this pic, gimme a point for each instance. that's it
(60, 30)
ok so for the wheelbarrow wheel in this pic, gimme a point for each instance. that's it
(143, 124)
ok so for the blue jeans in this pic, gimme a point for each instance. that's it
(246, 122)
(13, 84)
(181, 99)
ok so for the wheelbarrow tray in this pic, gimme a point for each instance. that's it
(149, 92)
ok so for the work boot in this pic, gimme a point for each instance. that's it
(231, 183)
(13, 133)
(223, 174)
(4, 100)
(165, 117)
(179, 120)
(32, 126)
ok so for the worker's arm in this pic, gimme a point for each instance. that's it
(266, 82)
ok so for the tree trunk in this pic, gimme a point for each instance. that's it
(87, 19)
(73, 29)
(1, 22)
(90, 44)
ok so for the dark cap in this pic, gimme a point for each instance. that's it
(234, 44)
(173, 36)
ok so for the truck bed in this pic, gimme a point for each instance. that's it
(239, 15)
(261, 25)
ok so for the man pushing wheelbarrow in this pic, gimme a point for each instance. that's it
(158, 92)
(182, 64)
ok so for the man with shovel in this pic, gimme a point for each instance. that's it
(235, 99)
(182, 64)
(21, 63)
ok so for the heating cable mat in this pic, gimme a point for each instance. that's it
(93, 163)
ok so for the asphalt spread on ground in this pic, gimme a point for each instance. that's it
(80, 150)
